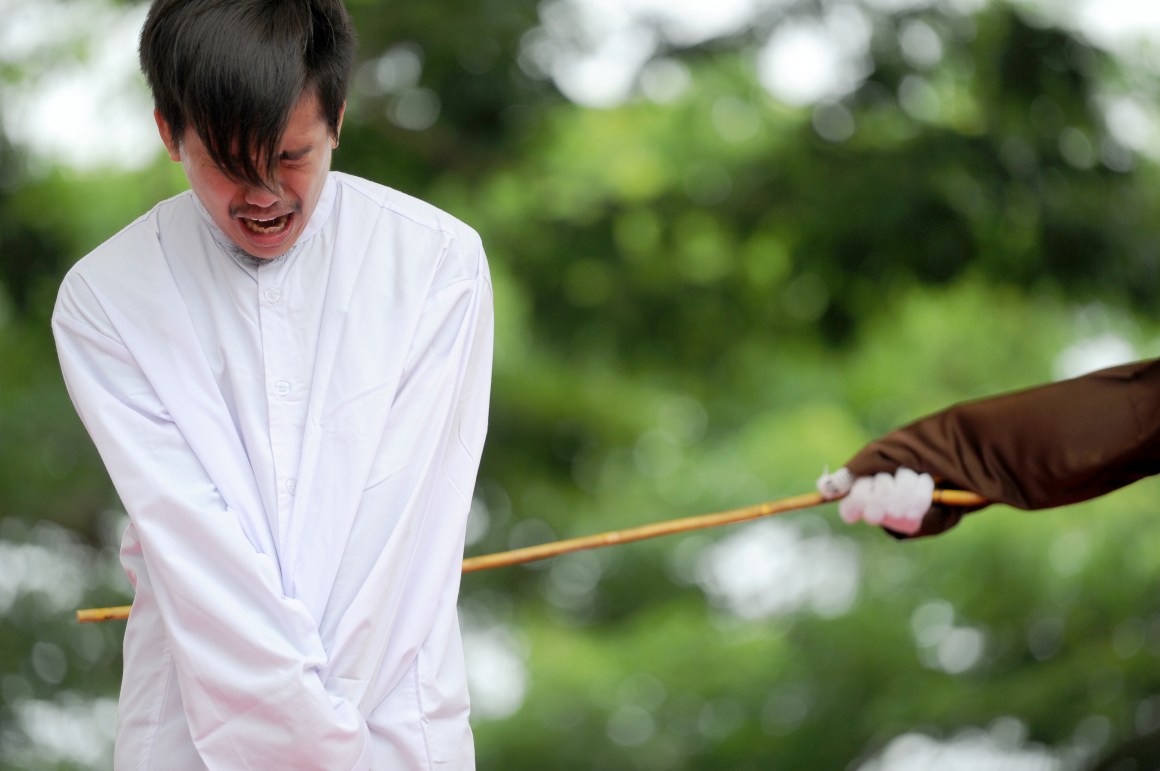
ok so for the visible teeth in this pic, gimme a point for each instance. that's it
(266, 227)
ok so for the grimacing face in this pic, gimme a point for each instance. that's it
(262, 223)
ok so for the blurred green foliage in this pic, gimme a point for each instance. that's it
(701, 302)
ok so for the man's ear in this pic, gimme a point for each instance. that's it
(171, 145)
(338, 127)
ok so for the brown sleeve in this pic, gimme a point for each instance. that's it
(1046, 446)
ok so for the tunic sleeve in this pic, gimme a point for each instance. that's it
(1047, 446)
(247, 657)
(437, 423)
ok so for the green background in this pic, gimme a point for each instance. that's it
(703, 299)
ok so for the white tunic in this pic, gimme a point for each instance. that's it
(296, 446)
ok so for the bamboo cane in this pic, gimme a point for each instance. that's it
(614, 537)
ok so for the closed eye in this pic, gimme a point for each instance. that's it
(295, 156)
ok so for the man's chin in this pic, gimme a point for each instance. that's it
(258, 260)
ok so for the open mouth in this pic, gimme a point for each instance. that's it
(267, 227)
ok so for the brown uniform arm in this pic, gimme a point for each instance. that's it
(1045, 446)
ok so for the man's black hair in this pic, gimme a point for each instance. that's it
(233, 70)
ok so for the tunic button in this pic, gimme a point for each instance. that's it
(273, 295)
(291, 485)
(281, 388)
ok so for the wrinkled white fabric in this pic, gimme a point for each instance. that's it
(896, 501)
(296, 446)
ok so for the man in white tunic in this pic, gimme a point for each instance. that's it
(286, 371)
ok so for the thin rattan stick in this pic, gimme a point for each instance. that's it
(614, 537)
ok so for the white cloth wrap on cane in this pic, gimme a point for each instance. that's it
(896, 501)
